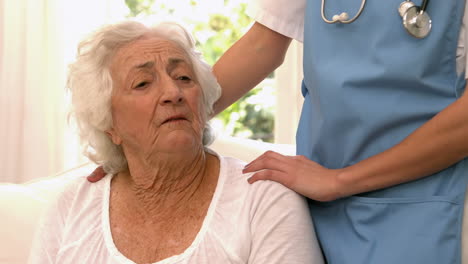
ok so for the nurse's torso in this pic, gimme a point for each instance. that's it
(368, 85)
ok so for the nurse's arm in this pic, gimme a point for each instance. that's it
(259, 52)
(436, 145)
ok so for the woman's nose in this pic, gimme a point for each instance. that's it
(172, 94)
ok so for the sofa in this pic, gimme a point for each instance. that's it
(21, 204)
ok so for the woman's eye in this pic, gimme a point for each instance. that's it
(184, 78)
(141, 85)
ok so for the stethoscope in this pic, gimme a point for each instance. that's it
(415, 18)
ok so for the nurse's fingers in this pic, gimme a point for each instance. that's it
(268, 160)
(272, 175)
(96, 175)
(267, 154)
(297, 173)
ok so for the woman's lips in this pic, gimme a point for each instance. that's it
(174, 119)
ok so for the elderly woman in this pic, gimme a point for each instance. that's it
(142, 97)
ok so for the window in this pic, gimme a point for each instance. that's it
(216, 25)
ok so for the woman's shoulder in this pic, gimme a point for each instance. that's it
(78, 201)
(77, 194)
(80, 186)
(258, 192)
(230, 165)
(70, 215)
(272, 221)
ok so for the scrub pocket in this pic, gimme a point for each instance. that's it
(414, 230)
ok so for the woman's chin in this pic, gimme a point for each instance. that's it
(180, 141)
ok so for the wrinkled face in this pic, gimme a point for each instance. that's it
(156, 101)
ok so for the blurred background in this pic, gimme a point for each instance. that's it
(38, 39)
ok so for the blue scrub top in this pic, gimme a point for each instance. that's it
(367, 86)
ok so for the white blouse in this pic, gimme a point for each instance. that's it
(287, 17)
(255, 223)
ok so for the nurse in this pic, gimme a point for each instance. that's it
(383, 134)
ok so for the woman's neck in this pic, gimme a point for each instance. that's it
(165, 183)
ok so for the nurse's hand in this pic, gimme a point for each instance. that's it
(96, 175)
(298, 173)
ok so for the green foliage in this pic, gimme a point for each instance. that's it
(246, 117)
(139, 6)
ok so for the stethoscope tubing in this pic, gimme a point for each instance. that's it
(424, 5)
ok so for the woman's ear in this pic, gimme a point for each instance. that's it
(113, 135)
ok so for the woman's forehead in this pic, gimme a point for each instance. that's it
(148, 48)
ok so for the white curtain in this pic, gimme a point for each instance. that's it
(38, 38)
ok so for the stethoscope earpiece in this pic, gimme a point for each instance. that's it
(340, 18)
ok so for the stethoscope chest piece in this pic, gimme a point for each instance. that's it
(415, 19)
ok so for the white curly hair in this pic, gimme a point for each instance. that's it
(90, 85)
